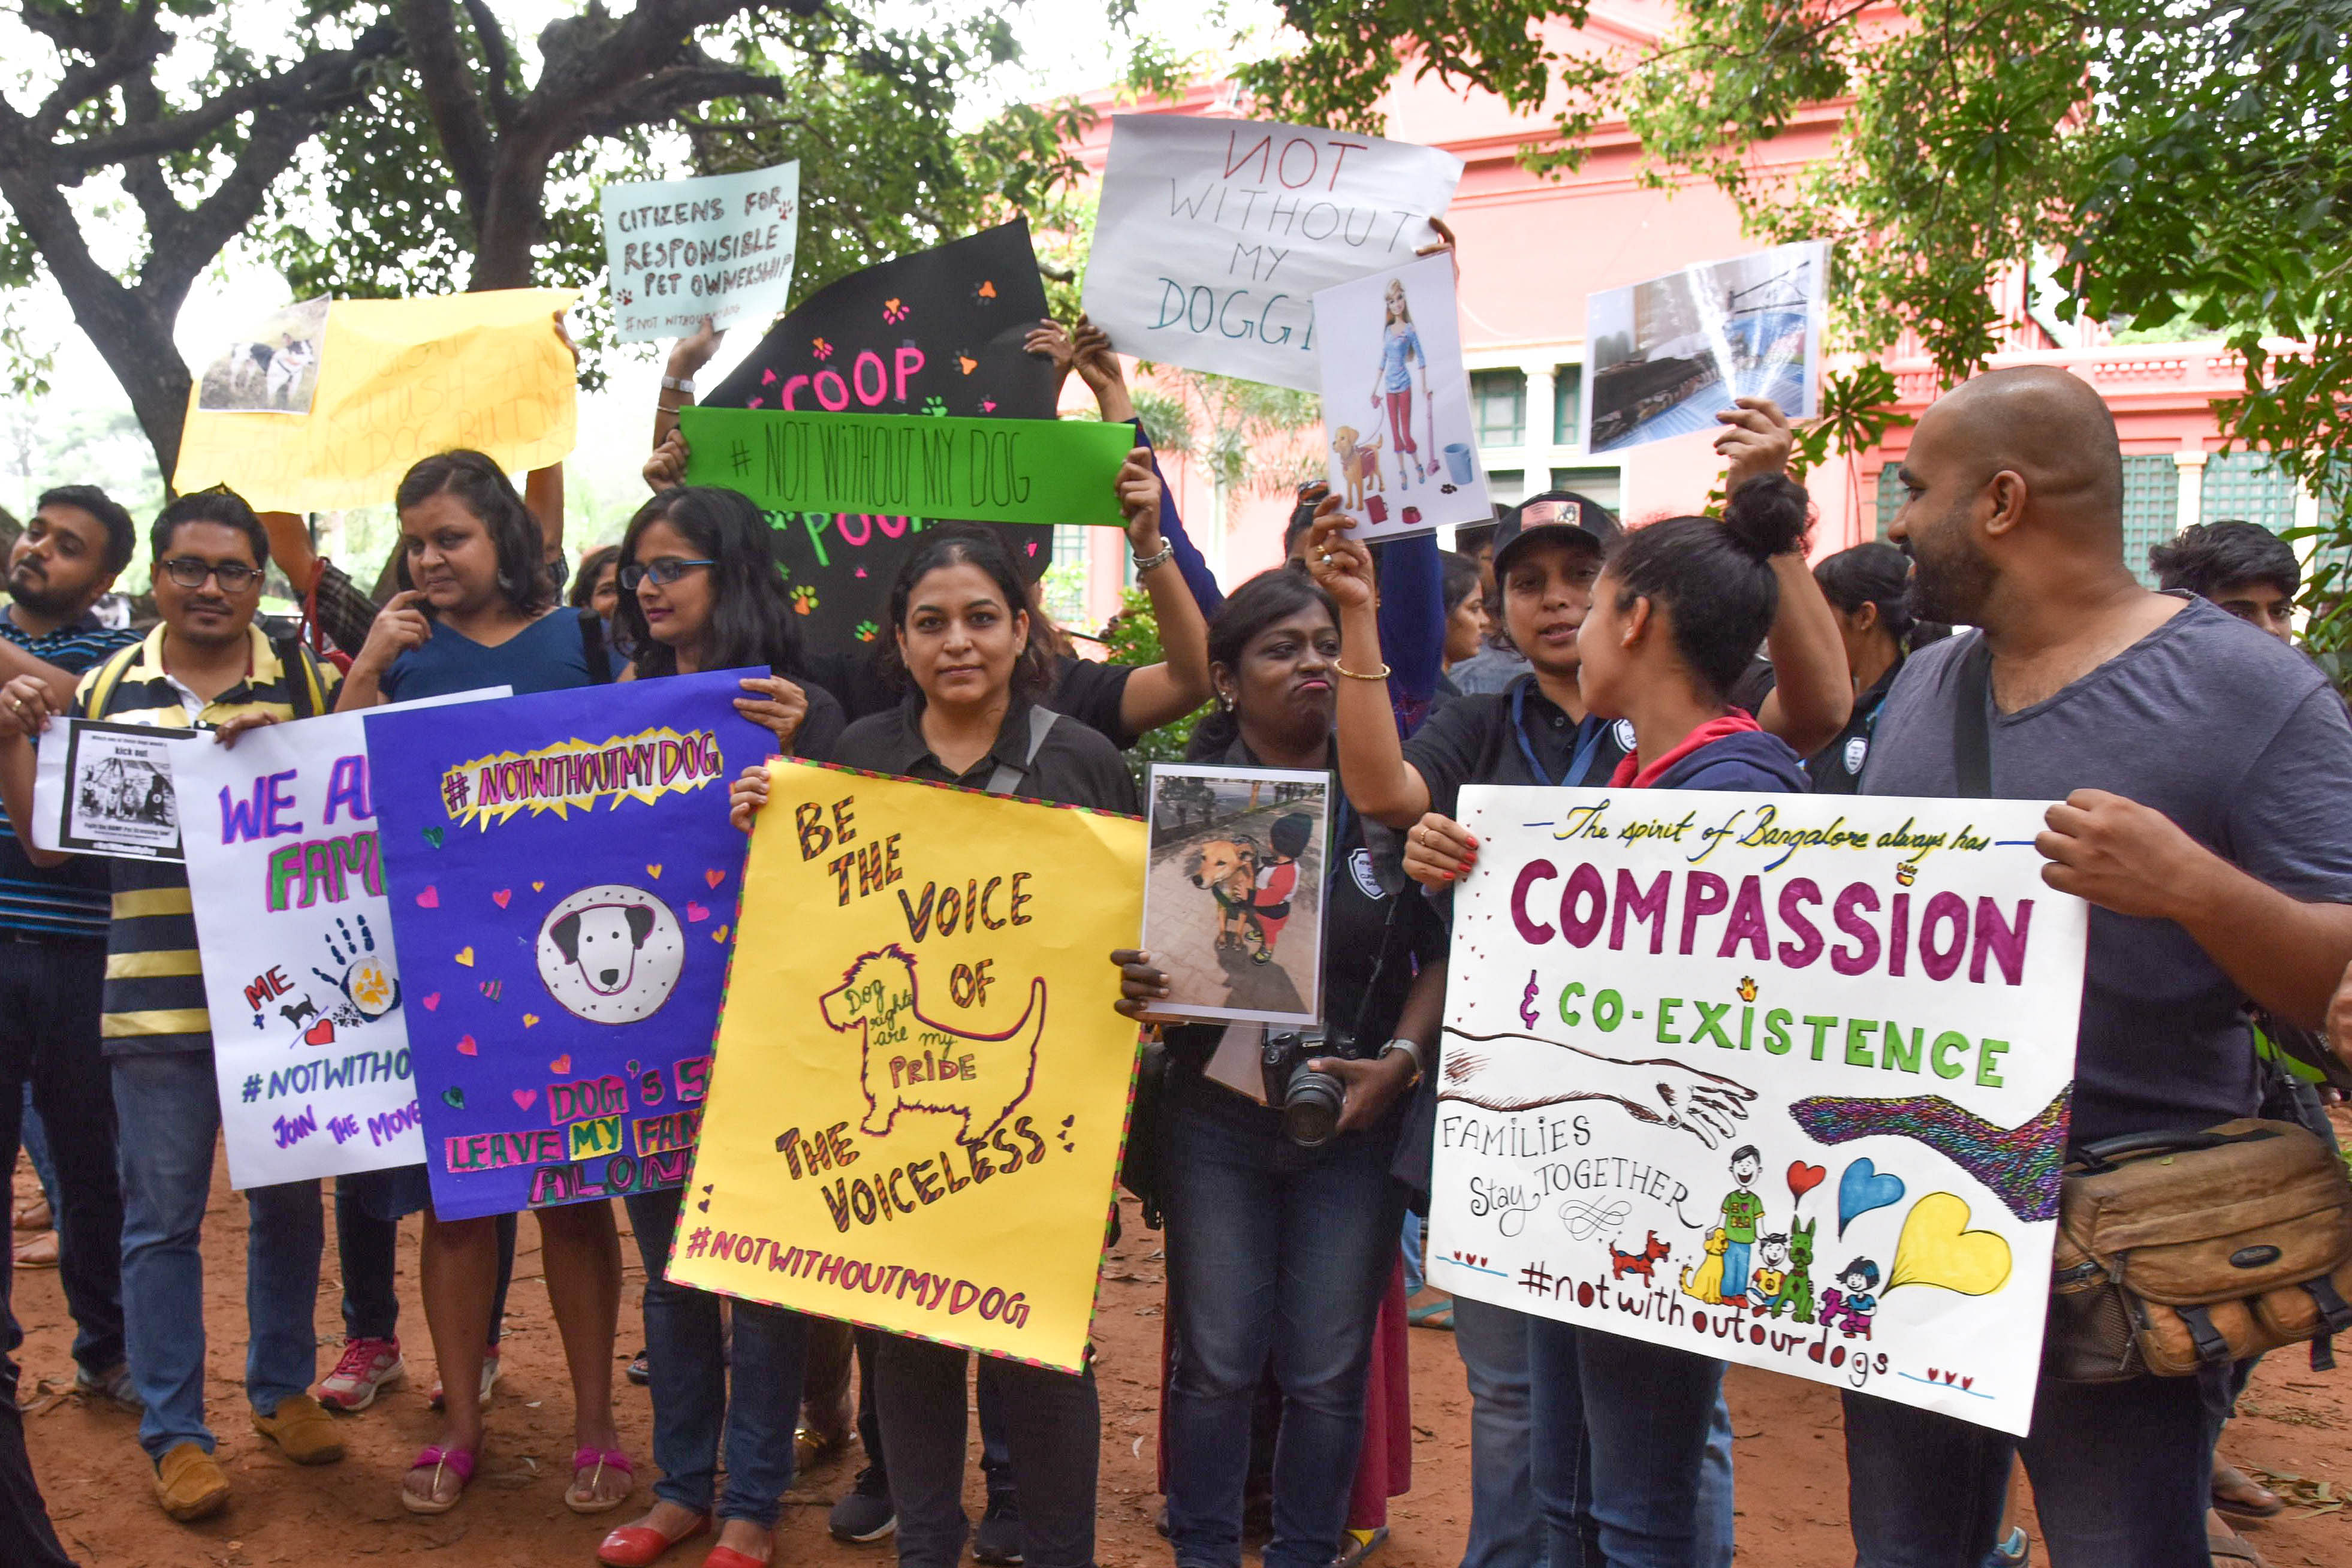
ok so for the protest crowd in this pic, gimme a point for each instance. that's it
(1999, 647)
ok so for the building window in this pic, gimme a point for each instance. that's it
(2248, 487)
(1506, 486)
(2152, 509)
(1065, 577)
(1606, 486)
(1890, 495)
(1567, 404)
(1498, 398)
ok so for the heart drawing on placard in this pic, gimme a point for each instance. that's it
(432, 999)
(466, 1045)
(501, 896)
(714, 878)
(718, 935)
(560, 1065)
(321, 1033)
(655, 872)
(430, 899)
(454, 1098)
(433, 835)
(529, 1019)
(1861, 1188)
(464, 955)
(538, 887)
(1936, 1248)
(695, 914)
(1804, 1178)
(524, 1097)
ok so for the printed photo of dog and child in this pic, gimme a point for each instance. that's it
(1232, 906)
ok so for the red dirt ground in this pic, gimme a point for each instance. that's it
(1790, 1474)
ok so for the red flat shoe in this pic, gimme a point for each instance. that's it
(641, 1545)
(728, 1557)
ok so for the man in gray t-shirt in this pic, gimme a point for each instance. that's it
(2202, 769)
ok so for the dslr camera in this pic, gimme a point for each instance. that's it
(1309, 1101)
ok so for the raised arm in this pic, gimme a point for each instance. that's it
(1098, 365)
(687, 358)
(1160, 694)
(1812, 692)
(289, 548)
(1373, 770)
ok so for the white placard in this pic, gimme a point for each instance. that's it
(1399, 445)
(720, 246)
(310, 1028)
(1782, 1079)
(102, 788)
(1213, 237)
(1666, 355)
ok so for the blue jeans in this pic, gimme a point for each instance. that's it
(1505, 1529)
(1273, 1253)
(49, 1045)
(1736, 1277)
(368, 1207)
(171, 1110)
(1415, 1228)
(1623, 1431)
(2122, 1473)
(690, 1367)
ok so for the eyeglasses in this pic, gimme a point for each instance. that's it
(190, 573)
(667, 570)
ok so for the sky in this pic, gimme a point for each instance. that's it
(1069, 46)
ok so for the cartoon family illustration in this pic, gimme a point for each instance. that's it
(1781, 1278)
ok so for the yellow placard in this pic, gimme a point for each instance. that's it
(920, 1090)
(400, 380)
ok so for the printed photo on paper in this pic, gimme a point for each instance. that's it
(271, 368)
(1400, 448)
(1232, 902)
(106, 789)
(1670, 354)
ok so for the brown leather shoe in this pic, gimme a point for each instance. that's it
(302, 1430)
(190, 1484)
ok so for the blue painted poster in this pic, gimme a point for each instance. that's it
(562, 879)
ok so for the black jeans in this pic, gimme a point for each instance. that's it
(1053, 1420)
(367, 1245)
(27, 1541)
(2122, 1473)
(995, 1448)
(49, 1006)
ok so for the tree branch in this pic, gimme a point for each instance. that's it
(137, 41)
(498, 58)
(465, 135)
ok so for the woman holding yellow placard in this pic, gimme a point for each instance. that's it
(964, 640)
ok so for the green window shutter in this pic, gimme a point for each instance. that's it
(2152, 509)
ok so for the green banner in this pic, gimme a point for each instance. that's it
(912, 464)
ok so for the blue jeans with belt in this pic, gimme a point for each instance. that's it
(1273, 1253)
(694, 1407)
(169, 1112)
(1630, 1450)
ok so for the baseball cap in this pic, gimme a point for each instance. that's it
(1562, 514)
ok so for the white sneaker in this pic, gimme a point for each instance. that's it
(368, 1367)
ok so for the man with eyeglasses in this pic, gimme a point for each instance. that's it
(207, 666)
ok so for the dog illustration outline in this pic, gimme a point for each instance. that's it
(901, 996)
(1360, 461)
(1621, 1264)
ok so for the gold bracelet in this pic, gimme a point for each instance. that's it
(1382, 675)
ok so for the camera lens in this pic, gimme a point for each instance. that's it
(1310, 1115)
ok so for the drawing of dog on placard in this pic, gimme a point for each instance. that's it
(911, 1061)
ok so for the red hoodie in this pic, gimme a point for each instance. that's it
(1633, 774)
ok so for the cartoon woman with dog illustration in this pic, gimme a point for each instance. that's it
(1400, 351)
(1277, 879)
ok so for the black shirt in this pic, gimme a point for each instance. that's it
(1471, 741)
(1074, 766)
(1836, 768)
(822, 726)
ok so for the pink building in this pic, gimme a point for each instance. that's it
(1532, 248)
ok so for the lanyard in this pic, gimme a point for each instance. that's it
(1589, 735)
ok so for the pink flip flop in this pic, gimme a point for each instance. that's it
(594, 1462)
(457, 1461)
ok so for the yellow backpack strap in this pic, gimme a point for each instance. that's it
(110, 676)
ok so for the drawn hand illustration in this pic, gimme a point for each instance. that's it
(1525, 1072)
(2019, 1164)
(367, 981)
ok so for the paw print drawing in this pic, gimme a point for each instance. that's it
(820, 348)
(987, 290)
(804, 598)
(935, 407)
(867, 631)
(892, 312)
(367, 982)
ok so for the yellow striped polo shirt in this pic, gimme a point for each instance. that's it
(154, 981)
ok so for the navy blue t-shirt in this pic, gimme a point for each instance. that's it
(549, 655)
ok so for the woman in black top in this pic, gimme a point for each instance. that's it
(1869, 590)
(701, 592)
(976, 660)
(1275, 1249)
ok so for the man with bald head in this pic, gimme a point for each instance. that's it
(2203, 768)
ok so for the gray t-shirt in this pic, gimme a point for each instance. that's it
(2233, 735)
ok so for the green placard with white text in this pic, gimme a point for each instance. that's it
(912, 464)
